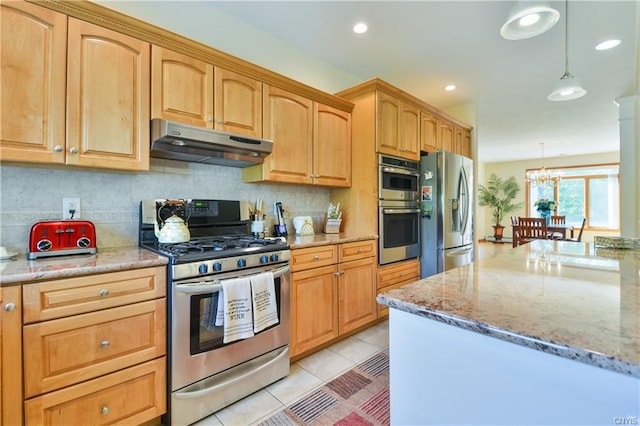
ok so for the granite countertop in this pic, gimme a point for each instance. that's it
(573, 300)
(21, 270)
(315, 240)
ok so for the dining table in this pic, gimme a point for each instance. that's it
(560, 228)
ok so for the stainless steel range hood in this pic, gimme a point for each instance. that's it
(176, 141)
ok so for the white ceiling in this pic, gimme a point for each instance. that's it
(421, 46)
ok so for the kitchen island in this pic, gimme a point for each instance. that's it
(545, 333)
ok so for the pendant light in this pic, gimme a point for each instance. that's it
(542, 176)
(528, 19)
(568, 87)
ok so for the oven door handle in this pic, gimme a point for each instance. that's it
(284, 352)
(400, 171)
(400, 211)
(216, 285)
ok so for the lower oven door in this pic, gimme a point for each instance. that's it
(197, 348)
(399, 233)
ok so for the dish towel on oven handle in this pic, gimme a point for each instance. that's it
(235, 309)
(265, 308)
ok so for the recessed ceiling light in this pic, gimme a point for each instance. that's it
(450, 87)
(360, 28)
(608, 44)
(531, 19)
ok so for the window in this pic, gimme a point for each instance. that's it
(589, 191)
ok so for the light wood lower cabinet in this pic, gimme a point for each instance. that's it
(11, 356)
(332, 292)
(396, 275)
(130, 397)
(94, 348)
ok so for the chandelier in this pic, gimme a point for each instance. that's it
(542, 176)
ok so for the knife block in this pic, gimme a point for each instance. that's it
(332, 226)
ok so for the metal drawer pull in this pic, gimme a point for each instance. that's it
(9, 306)
(57, 148)
(73, 150)
(105, 410)
(104, 292)
(359, 250)
(104, 343)
(316, 257)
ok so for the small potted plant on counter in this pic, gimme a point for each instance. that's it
(498, 195)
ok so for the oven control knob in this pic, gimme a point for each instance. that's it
(242, 263)
(264, 259)
(44, 245)
(203, 268)
(217, 266)
(274, 257)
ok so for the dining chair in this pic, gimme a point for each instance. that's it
(579, 239)
(557, 220)
(514, 231)
(531, 228)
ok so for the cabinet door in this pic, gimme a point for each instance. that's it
(238, 103)
(445, 135)
(357, 291)
(429, 132)
(388, 124)
(108, 81)
(288, 121)
(331, 146)
(466, 143)
(314, 308)
(131, 396)
(33, 56)
(182, 88)
(410, 136)
(11, 356)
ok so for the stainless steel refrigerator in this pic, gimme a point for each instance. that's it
(446, 224)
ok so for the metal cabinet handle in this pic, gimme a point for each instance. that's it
(316, 257)
(210, 119)
(105, 410)
(10, 307)
(220, 121)
(57, 148)
(104, 343)
(341, 272)
(337, 274)
(104, 292)
(73, 150)
(360, 250)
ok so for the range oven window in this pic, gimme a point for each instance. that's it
(204, 334)
(400, 229)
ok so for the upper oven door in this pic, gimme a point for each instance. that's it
(396, 183)
(197, 345)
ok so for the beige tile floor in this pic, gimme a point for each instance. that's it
(305, 376)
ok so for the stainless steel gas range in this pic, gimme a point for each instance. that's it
(206, 374)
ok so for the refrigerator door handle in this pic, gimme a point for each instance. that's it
(464, 200)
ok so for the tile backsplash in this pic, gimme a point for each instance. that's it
(111, 200)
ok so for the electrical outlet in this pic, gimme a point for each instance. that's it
(70, 208)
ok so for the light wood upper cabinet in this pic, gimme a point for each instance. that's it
(429, 131)
(463, 141)
(60, 72)
(237, 103)
(107, 98)
(311, 141)
(331, 146)
(398, 125)
(445, 135)
(33, 56)
(181, 88)
(194, 92)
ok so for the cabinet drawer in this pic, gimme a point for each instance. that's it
(66, 351)
(60, 298)
(405, 272)
(131, 396)
(357, 250)
(313, 257)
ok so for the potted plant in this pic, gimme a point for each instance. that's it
(544, 207)
(498, 195)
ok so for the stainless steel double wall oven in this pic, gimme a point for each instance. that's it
(399, 209)
(205, 374)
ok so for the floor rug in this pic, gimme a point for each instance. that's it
(359, 397)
